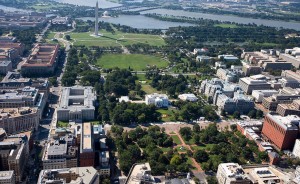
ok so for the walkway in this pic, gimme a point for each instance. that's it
(195, 163)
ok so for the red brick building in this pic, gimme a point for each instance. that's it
(42, 60)
(87, 154)
(281, 131)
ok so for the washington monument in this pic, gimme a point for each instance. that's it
(96, 20)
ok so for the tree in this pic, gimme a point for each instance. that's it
(211, 180)
(233, 127)
(196, 128)
(200, 156)
(176, 160)
(252, 113)
(186, 133)
(259, 114)
(68, 37)
(196, 138)
(236, 115)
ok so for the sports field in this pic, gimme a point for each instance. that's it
(136, 62)
(118, 39)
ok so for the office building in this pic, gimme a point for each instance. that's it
(267, 60)
(7, 177)
(60, 21)
(7, 39)
(12, 50)
(159, 100)
(260, 94)
(271, 102)
(80, 175)
(140, 173)
(77, 104)
(289, 109)
(15, 120)
(87, 154)
(229, 173)
(60, 152)
(229, 75)
(5, 67)
(203, 59)
(282, 132)
(24, 97)
(104, 163)
(249, 69)
(239, 102)
(257, 82)
(291, 74)
(295, 60)
(22, 20)
(228, 58)
(296, 149)
(13, 156)
(264, 174)
(14, 80)
(42, 61)
(188, 97)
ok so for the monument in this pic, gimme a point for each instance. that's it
(96, 19)
(96, 33)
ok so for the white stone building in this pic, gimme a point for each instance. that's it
(159, 100)
(77, 104)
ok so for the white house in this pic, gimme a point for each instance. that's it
(188, 97)
(159, 100)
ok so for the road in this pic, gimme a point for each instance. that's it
(60, 36)
(40, 36)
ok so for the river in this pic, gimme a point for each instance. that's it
(92, 3)
(139, 22)
(224, 18)
(11, 9)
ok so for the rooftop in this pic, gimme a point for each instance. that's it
(16, 112)
(6, 175)
(62, 176)
(42, 55)
(87, 144)
(77, 98)
(290, 122)
(139, 173)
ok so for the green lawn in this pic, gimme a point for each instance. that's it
(176, 139)
(62, 124)
(166, 149)
(167, 114)
(136, 62)
(149, 89)
(226, 25)
(118, 39)
(190, 142)
(206, 146)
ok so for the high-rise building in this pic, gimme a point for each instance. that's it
(281, 131)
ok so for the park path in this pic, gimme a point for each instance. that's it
(195, 163)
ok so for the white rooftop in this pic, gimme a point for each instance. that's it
(290, 122)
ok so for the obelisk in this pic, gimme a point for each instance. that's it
(96, 19)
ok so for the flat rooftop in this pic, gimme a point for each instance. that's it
(290, 122)
(140, 172)
(42, 55)
(16, 112)
(6, 175)
(77, 98)
(83, 175)
(87, 144)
